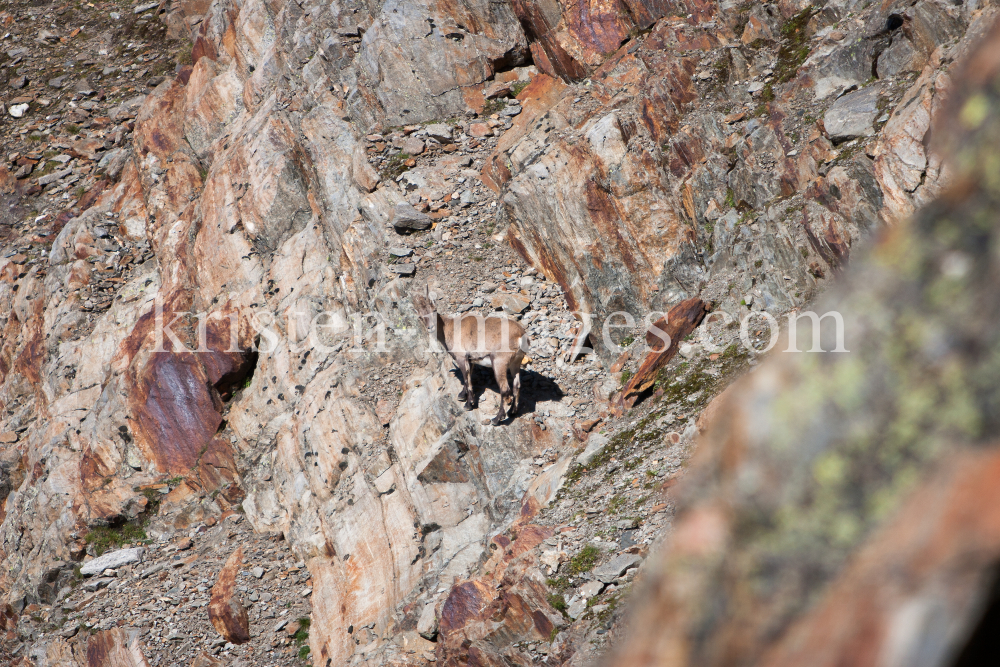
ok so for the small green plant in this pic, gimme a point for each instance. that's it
(795, 45)
(628, 340)
(493, 106)
(561, 584)
(516, 89)
(584, 560)
(104, 538)
(626, 376)
(304, 652)
(302, 634)
(394, 166)
(72, 129)
(730, 198)
(615, 504)
(558, 602)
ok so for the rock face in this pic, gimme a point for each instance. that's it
(227, 613)
(213, 320)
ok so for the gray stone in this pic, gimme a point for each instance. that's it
(113, 560)
(852, 115)
(628, 539)
(413, 146)
(846, 66)
(616, 567)
(407, 217)
(577, 607)
(57, 82)
(97, 584)
(627, 524)
(18, 110)
(591, 588)
(257, 572)
(145, 7)
(83, 87)
(400, 252)
(403, 269)
(899, 57)
(595, 443)
(511, 110)
(19, 83)
(55, 176)
(427, 625)
(439, 131)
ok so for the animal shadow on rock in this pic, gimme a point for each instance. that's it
(535, 388)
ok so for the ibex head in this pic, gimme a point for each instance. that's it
(425, 308)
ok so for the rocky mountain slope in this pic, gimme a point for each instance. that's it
(272, 180)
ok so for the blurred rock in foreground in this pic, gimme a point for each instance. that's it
(843, 509)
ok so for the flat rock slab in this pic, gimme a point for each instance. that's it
(113, 560)
(400, 252)
(852, 115)
(407, 217)
(616, 567)
(591, 588)
(512, 303)
(97, 584)
(403, 269)
(439, 131)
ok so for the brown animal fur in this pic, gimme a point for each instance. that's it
(496, 342)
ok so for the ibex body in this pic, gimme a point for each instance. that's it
(496, 342)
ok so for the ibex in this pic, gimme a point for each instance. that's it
(499, 343)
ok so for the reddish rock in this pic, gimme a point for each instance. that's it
(679, 322)
(365, 177)
(115, 648)
(479, 130)
(203, 659)
(225, 611)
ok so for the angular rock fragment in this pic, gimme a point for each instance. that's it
(225, 611)
(403, 269)
(439, 131)
(365, 177)
(427, 625)
(616, 567)
(407, 217)
(512, 303)
(852, 115)
(113, 560)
